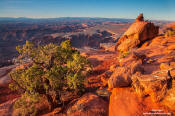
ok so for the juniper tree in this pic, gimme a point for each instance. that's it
(53, 70)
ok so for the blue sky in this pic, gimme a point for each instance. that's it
(152, 9)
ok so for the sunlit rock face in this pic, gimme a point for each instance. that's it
(139, 32)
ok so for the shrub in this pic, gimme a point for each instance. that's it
(53, 70)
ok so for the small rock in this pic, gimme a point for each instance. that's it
(121, 77)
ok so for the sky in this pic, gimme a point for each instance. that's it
(152, 9)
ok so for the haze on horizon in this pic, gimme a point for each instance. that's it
(152, 9)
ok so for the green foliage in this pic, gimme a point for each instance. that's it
(53, 69)
(26, 104)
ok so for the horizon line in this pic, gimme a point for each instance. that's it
(85, 17)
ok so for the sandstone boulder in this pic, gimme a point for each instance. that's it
(137, 34)
(121, 77)
(88, 105)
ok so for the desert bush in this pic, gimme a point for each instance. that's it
(53, 70)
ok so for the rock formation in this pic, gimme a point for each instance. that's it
(139, 32)
(149, 71)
